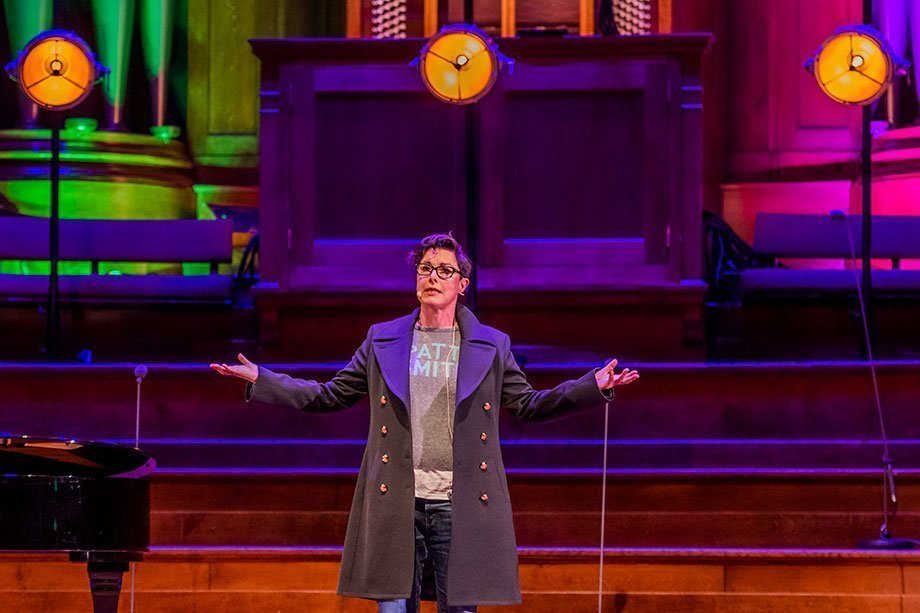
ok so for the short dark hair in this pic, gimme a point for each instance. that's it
(442, 241)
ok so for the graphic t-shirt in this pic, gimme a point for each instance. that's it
(433, 394)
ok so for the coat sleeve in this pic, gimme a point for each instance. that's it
(528, 404)
(342, 391)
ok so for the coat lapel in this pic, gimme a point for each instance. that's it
(477, 353)
(392, 345)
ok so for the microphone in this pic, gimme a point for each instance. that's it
(140, 371)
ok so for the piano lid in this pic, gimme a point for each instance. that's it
(52, 457)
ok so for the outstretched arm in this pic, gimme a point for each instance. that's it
(528, 404)
(342, 391)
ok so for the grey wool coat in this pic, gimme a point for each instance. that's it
(379, 552)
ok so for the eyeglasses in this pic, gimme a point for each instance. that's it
(444, 272)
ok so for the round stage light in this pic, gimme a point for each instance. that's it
(56, 70)
(460, 64)
(855, 65)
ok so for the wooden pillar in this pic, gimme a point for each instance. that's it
(430, 18)
(665, 25)
(509, 23)
(353, 18)
(274, 221)
(586, 17)
(691, 133)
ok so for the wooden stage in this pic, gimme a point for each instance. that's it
(732, 487)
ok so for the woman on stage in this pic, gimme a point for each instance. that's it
(432, 491)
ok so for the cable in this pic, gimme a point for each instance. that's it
(889, 492)
(600, 580)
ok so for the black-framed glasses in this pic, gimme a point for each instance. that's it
(444, 272)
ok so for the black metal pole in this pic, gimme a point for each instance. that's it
(471, 162)
(866, 166)
(52, 345)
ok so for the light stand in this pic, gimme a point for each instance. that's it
(56, 70)
(459, 65)
(53, 320)
(855, 65)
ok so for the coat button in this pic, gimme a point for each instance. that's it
(383, 488)
(383, 430)
(486, 407)
(484, 497)
(483, 466)
(383, 400)
(483, 436)
(385, 458)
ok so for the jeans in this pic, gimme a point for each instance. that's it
(432, 542)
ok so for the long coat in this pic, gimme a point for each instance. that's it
(379, 552)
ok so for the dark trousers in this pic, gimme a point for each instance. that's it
(432, 543)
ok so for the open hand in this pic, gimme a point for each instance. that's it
(607, 379)
(245, 370)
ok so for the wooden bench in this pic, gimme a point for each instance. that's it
(776, 236)
(104, 240)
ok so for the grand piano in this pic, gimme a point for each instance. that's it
(90, 500)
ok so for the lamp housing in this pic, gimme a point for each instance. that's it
(855, 65)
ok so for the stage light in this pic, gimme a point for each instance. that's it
(855, 65)
(56, 70)
(460, 64)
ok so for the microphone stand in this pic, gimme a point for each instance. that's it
(140, 372)
(600, 579)
(889, 492)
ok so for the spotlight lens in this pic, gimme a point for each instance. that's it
(853, 66)
(459, 64)
(56, 70)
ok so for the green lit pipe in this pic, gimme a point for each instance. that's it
(24, 20)
(156, 35)
(114, 21)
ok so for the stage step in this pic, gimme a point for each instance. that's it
(540, 454)
(211, 580)
(681, 508)
(787, 400)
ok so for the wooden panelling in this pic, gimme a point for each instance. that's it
(596, 137)
(742, 202)
(603, 197)
(778, 116)
(223, 75)
(382, 188)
